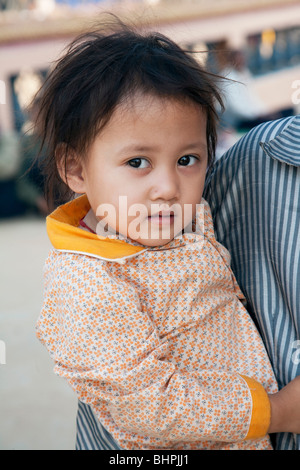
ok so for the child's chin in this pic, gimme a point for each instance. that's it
(152, 243)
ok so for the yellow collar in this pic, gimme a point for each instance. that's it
(66, 235)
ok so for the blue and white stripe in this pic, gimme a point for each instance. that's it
(254, 194)
(91, 435)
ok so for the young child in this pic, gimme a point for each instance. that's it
(142, 314)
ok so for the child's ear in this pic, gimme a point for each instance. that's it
(70, 169)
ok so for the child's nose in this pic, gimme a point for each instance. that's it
(165, 186)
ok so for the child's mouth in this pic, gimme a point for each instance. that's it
(162, 218)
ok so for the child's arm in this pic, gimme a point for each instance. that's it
(112, 354)
(285, 409)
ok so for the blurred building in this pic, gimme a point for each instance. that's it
(33, 34)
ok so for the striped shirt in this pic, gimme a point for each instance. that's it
(254, 196)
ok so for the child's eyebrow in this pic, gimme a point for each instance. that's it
(196, 146)
(138, 148)
(193, 146)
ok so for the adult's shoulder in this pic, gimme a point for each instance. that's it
(275, 141)
(260, 161)
(279, 139)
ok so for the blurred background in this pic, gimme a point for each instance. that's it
(255, 43)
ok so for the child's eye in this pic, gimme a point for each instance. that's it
(187, 160)
(138, 163)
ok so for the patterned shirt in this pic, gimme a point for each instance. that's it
(157, 343)
(254, 194)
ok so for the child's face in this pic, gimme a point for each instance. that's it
(153, 153)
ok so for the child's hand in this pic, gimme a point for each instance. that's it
(285, 408)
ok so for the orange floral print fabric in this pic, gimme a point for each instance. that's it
(159, 346)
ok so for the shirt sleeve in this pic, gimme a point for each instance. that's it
(109, 350)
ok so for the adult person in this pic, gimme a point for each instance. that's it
(254, 194)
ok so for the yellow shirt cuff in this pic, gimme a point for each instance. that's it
(261, 410)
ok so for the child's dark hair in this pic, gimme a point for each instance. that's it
(99, 71)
